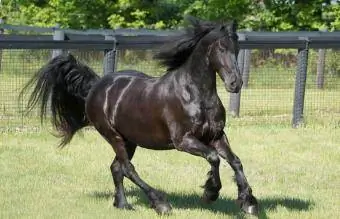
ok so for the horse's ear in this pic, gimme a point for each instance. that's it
(198, 25)
(233, 26)
(193, 24)
(191, 20)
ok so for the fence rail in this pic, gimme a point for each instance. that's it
(151, 41)
(109, 41)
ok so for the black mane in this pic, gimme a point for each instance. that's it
(175, 53)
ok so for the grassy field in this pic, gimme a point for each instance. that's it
(295, 173)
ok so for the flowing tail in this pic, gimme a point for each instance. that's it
(66, 82)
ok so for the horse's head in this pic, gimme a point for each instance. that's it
(222, 55)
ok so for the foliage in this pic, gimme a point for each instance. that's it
(74, 14)
(145, 14)
(219, 9)
(332, 14)
(288, 15)
(272, 15)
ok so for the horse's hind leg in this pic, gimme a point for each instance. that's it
(123, 165)
(118, 176)
(124, 151)
(156, 198)
(246, 200)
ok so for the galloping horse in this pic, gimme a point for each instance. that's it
(179, 110)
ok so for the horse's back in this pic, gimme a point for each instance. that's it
(105, 93)
(132, 73)
(116, 81)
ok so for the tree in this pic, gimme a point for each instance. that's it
(78, 14)
(220, 9)
(272, 15)
(278, 15)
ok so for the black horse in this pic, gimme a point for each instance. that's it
(180, 110)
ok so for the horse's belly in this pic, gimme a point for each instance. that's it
(143, 126)
(144, 135)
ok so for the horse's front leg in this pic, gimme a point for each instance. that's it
(192, 145)
(246, 200)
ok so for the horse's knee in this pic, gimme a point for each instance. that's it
(128, 169)
(115, 167)
(213, 158)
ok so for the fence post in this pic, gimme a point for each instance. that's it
(300, 84)
(2, 31)
(110, 58)
(246, 68)
(235, 98)
(58, 35)
(320, 69)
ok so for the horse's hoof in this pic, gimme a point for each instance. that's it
(249, 205)
(251, 209)
(128, 207)
(163, 208)
(124, 206)
(209, 197)
(206, 200)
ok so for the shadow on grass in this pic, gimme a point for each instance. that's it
(222, 205)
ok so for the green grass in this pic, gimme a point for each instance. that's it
(295, 173)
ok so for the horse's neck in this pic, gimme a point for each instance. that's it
(197, 73)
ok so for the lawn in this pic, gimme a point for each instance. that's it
(295, 173)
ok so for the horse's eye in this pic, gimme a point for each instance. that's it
(221, 49)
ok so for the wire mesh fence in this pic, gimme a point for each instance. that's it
(267, 98)
(322, 104)
(269, 93)
(140, 60)
(17, 68)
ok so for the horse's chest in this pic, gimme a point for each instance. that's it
(208, 122)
